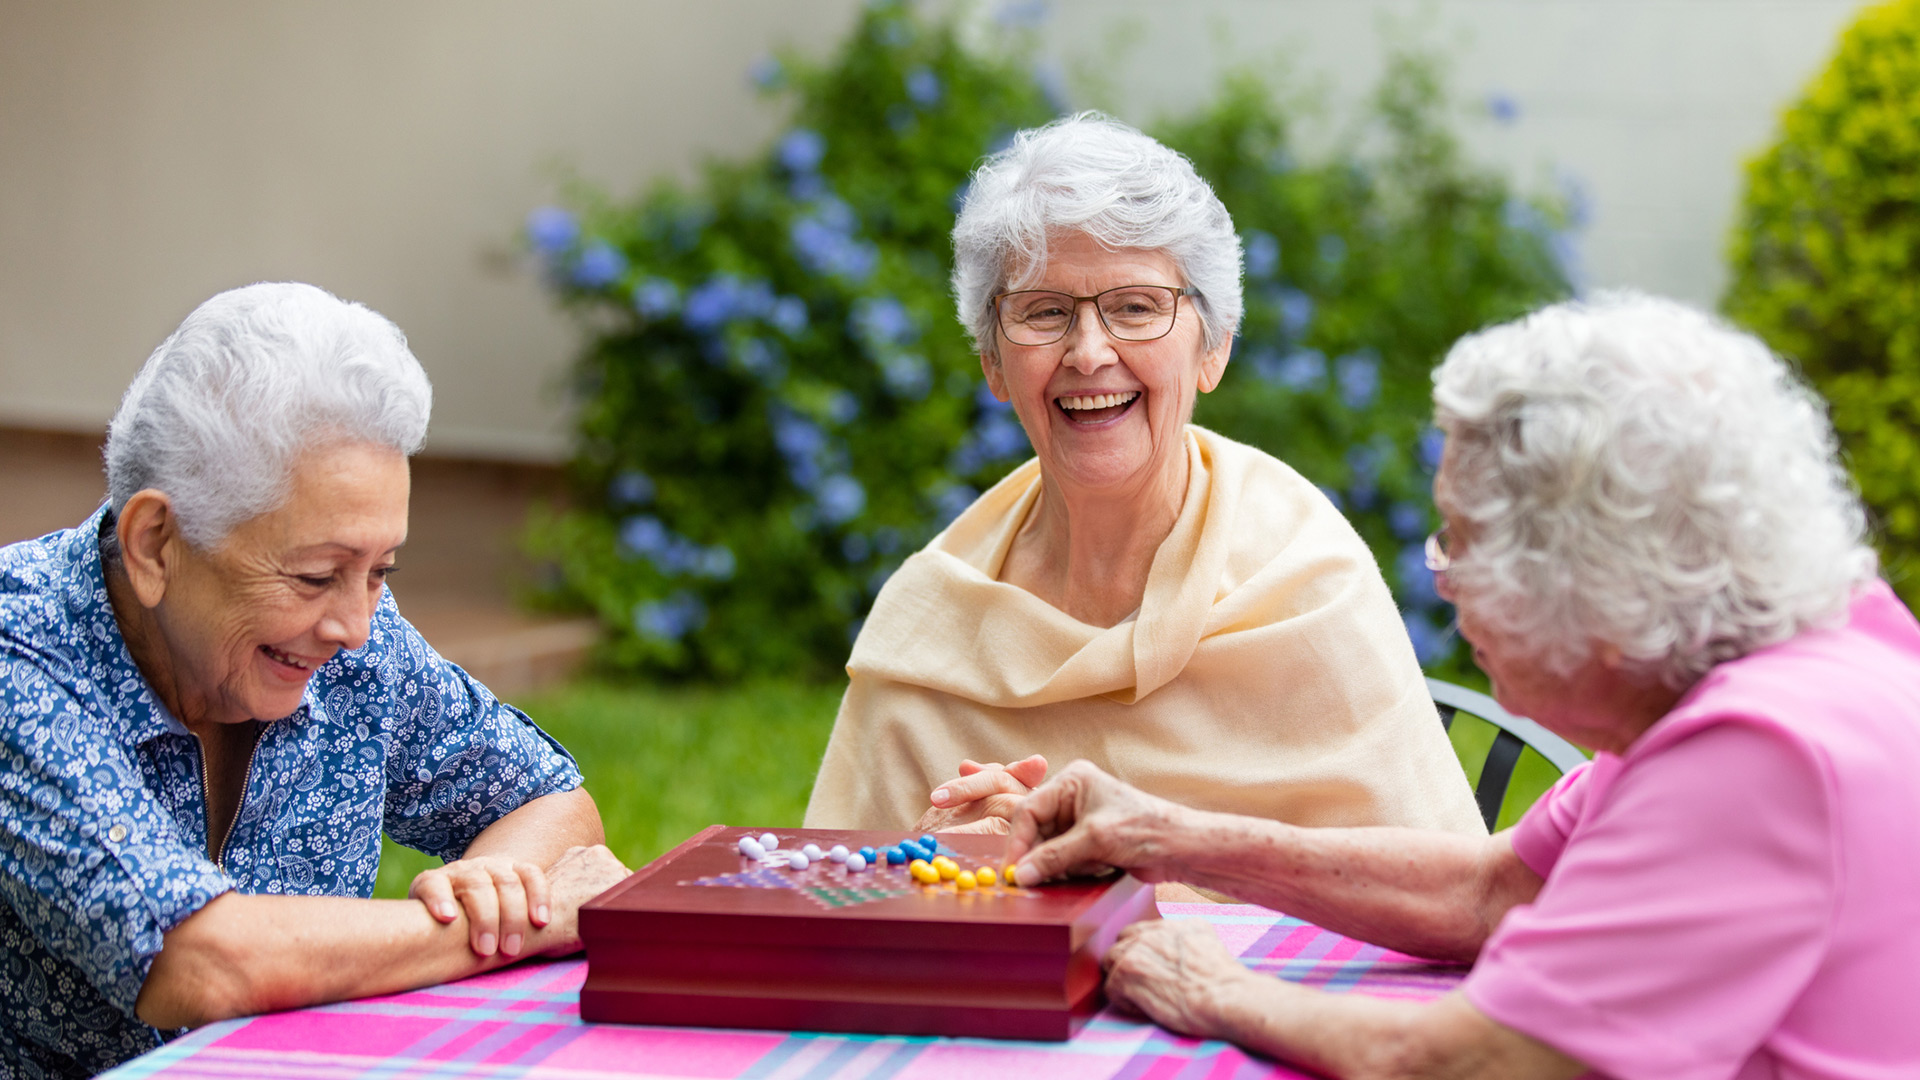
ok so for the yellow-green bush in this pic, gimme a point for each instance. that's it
(1826, 261)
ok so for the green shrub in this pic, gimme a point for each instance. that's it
(778, 404)
(1826, 261)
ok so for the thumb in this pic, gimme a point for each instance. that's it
(1069, 853)
(1031, 771)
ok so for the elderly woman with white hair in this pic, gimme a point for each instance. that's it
(1655, 552)
(210, 711)
(1188, 612)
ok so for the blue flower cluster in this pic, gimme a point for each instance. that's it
(630, 487)
(552, 230)
(1503, 107)
(923, 86)
(1359, 377)
(884, 326)
(826, 241)
(767, 73)
(646, 536)
(556, 237)
(598, 265)
(817, 464)
(996, 436)
(1262, 254)
(672, 618)
(950, 500)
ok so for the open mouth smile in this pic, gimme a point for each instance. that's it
(287, 659)
(1088, 410)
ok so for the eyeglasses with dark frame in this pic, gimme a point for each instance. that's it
(1128, 312)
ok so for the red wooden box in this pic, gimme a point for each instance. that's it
(706, 936)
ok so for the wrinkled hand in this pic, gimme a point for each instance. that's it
(507, 902)
(504, 900)
(1177, 974)
(575, 878)
(1084, 822)
(982, 797)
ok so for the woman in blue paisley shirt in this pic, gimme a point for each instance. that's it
(210, 710)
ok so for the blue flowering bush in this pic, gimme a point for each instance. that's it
(777, 404)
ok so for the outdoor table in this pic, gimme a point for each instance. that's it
(524, 1022)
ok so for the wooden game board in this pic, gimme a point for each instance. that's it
(706, 936)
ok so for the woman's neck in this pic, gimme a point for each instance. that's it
(1088, 553)
(147, 645)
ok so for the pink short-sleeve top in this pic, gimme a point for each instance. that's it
(1738, 894)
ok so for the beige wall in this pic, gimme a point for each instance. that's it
(1651, 105)
(154, 153)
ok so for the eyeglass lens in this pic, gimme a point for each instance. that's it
(1130, 313)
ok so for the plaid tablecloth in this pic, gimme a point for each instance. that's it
(524, 1021)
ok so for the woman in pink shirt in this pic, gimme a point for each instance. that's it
(1655, 552)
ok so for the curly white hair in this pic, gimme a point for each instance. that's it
(1092, 174)
(1635, 472)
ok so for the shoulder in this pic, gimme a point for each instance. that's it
(57, 630)
(1272, 514)
(1849, 695)
(45, 587)
(1265, 489)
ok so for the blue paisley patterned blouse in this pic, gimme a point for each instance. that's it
(103, 833)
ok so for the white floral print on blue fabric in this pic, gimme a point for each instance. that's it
(103, 835)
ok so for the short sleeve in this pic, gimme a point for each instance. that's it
(91, 862)
(461, 759)
(1684, 917)
(1541, 833)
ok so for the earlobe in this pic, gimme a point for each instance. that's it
(1213, 367)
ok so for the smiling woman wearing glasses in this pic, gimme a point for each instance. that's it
(1184, 610)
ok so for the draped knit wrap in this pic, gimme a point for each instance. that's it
(1267, 671)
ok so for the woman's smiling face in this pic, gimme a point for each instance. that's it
(1103, 413)
(247, 623)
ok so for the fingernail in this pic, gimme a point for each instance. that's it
(541, 915)
(486, 944)
(445, 911)
(939, 796)
(511, 946)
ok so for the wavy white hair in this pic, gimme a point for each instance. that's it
(1637, 473)
(1091, 174)
(252, 378)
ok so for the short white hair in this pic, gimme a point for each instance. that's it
(1091, 174)
(1637, 473)
(254, 377)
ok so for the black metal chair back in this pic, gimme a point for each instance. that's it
(1515, 733)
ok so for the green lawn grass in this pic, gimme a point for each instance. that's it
(665, 762)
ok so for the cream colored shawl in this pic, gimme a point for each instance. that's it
(1266, 673)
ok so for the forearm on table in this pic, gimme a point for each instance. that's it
(1363, 1038)
(1418, 891)
(542, 830)
(246, 954)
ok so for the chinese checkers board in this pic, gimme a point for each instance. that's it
(707, 935)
